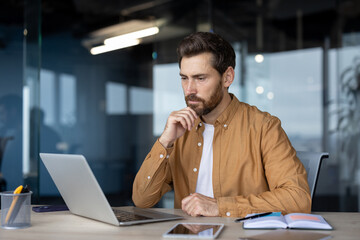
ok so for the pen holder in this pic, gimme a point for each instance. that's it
(15, 210)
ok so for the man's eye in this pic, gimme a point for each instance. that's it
(201, 79)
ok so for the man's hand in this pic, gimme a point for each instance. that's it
(199, 205)
(176, 125)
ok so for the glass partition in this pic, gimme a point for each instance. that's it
(289, 85)
(19, 91)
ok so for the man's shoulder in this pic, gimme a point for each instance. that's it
(253, 114)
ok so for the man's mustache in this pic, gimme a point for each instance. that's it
(193, 97)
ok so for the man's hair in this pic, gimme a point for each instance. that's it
(206, 42)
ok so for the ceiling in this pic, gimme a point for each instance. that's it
(268, 25)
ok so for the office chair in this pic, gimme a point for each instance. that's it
(312, 162)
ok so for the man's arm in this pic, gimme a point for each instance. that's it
(154, 177)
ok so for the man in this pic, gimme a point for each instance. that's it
(222, 157)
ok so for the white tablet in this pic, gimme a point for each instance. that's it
(195, 230)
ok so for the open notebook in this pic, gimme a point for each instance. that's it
(292, 220)
(83, 195)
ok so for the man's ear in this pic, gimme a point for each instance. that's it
(228, 77)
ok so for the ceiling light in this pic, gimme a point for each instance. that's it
(112, 47)
(259, 90)
(259, 58)
(133, 35)
(133, 29)
(141, 30)
(270, 95)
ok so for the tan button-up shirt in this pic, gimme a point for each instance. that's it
(255, 168)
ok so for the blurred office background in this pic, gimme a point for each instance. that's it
(298, 60)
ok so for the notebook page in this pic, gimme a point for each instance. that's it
(307, 221)
(275, 220)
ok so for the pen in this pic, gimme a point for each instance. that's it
(18, 204)
(13, 203)
(252, 217)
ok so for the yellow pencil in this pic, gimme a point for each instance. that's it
(17, 191)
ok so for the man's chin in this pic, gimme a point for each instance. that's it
(199, 111)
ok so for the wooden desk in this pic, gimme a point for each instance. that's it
(64, 225)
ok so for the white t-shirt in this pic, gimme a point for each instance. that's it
(204, 182)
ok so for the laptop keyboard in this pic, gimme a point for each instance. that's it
(124, 216)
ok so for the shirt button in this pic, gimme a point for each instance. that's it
(161, 155)
(200, 124)
(199, 144)
(167, 156)
(148, 177)
(225, 125)
(195, 169)
(228, 214)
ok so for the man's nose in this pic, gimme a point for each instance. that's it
(190, 87)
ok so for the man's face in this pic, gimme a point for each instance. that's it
(202, 84)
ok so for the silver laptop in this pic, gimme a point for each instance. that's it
(84, 197)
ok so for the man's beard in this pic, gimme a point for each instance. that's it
(208, 106)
